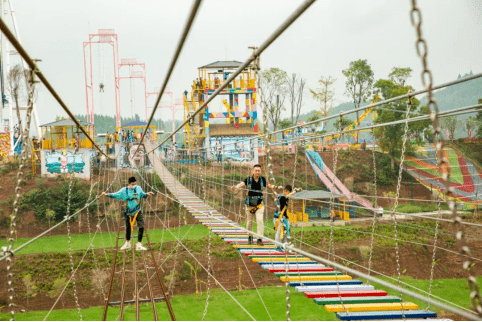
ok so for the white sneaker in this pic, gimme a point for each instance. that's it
(127, 245)
(140, 247)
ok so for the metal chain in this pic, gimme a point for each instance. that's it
(99, 222)
(203, 186)
(94, 257)
(165, 207)
(331, 247)
(287, 285)
(395, 204)
(374, 221)
(67, 215)
(434, 250)
(208, 291)
(178, 244)
(306, 188)
(18, 188)
(295, 145)
(283, 161)
(267, 140)
(443, 164)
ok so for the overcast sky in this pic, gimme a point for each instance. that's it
(322, 42)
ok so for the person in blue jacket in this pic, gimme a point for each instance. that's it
(132, 195)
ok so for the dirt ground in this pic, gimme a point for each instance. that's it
(227, 266)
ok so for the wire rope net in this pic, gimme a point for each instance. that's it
(67, 215)
(427, 81)
(13, 218)
(199, 181)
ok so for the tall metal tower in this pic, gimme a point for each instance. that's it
(103, 36)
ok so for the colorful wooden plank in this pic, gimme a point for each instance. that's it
(345, 293)
(321, 283)
(356, 300)
(314, 278)
(367, 307)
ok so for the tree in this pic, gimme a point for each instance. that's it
(420, 129)
(15, 78)
(400, 75)
(283, 124)
(471, 124)
(359, 83)
(450, 124)
(479, 120)
(296, 87)
(59, 118)
(312, 118)
(390, 138)
(49, 214)
(274, 91)
(324, 94)
(341, 124)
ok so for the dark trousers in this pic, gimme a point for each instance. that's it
(140, 225)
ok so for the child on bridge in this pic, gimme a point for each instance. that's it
(131, 195)
(281, 219)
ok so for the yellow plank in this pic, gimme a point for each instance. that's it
(372, 307)
(280, 259)
(315, 278)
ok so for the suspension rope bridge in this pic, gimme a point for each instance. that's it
(329, 283)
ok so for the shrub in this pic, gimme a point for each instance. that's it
(57, 287)
(56, 199)
(5, 169)
(30, 288)
(5, 222)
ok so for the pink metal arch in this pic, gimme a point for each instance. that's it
(107, 36)
(134, 74)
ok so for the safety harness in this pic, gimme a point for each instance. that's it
(132, 213)
(279, 229)
(250, 200)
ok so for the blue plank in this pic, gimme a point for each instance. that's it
(316, 283)
(378, 315)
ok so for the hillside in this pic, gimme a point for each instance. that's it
(448, 98)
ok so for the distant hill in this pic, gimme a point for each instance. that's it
(104, 123)
(456, 96)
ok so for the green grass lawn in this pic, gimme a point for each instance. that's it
(190, 308)
(222, 307)
(456, 174)
(454, 290)
(59, 243)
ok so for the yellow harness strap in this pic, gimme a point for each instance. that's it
(279, 218)
(132, 220)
